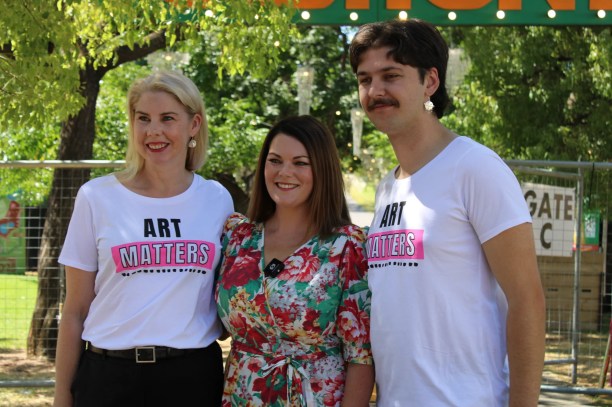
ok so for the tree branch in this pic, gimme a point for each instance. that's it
(155, 41)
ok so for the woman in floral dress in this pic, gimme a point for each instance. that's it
(292, 290)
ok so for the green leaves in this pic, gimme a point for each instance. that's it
(537, 92)
(45, 45)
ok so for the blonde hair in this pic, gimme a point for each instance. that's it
(185, 92)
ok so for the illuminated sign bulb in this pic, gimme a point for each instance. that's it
(354, 16)
(403, 15)
(552, 13)
(601, 13)
(500, 14)
(452, 16)
(305, 15)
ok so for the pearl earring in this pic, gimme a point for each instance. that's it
(428, 105)
(192, 143)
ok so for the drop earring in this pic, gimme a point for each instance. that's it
(428, 105)
(192, 143)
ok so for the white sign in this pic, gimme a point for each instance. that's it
(552, 209)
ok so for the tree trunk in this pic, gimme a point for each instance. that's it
(76, 143)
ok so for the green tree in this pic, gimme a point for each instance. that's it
(53, 56)
(538, 92)
(241, 108)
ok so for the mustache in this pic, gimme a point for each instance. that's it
(374, 103)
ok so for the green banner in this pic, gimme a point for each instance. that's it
(589, 231)
(457, 12)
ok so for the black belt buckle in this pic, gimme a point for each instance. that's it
(145, 354)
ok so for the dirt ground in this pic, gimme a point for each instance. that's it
(15, 366)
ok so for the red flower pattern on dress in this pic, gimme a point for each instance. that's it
(254, 365)
(316, 313)
(304, 266)
(272, 387)
(242, 272)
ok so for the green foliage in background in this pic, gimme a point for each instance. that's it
(55, 54)
(531, 93)
(540, 93)
(45, 46)
(241, 108)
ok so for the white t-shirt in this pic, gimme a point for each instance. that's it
(438, 322)
(155, 260)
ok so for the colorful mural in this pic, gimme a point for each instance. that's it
(12, 236)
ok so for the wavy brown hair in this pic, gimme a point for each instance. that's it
(412, 42)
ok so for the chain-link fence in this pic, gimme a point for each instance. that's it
(570, 207)
(569, 202)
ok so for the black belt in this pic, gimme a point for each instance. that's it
(142, 354)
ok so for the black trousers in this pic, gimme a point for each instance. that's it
(195, 379)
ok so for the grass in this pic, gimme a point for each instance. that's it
(17, 300)
(16, 306)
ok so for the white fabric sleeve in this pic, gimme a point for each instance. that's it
(80, 249)
(492, 195)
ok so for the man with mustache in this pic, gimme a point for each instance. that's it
(459, 319)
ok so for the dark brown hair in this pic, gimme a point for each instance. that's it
(412, 42)
(328, 208)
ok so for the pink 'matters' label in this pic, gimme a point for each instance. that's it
(166, 254)
(396, 244)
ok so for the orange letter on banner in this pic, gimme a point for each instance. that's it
(562, 4)
(357, 4)
(460, 4)
(510, 5)
(600, 5)
(398, 5)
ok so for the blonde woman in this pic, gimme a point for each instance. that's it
(139, 324)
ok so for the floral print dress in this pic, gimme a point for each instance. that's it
(292, 335)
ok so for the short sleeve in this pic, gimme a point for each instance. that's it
(353, 320)
(490, 183)
(231, 223)
(80, 248)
